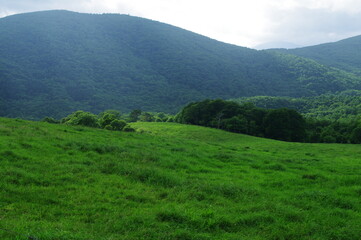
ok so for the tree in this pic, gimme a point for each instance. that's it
(106, 118)
(235, 124)
(208, 112)
(118, 125)
(356, 135)
(134, 115)
(81, 118)
(285, 124)
(116, 113)
(146, 117)
(161, 117)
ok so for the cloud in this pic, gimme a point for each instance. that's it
(307, 26)
(38, 5)
(231, 21)
(245, 23)
(224, 20)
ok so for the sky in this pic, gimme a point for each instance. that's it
(248, 23)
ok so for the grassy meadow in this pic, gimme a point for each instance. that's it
(172, 181)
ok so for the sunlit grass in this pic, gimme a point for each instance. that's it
(172, 181)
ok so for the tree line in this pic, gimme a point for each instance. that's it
(281, 124)
(110, 119)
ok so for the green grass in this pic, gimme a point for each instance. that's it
(171, 181)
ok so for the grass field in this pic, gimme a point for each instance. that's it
(171, 181)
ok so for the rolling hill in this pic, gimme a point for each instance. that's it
(172, 181)
(344, 54)
(55, 62)
(338, 106)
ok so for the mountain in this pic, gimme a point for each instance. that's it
(55, 62)
(344, 54)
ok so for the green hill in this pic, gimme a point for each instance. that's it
(344, 54)
(55, 62)
(343, 105)
(172, 181)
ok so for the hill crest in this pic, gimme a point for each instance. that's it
(55, 62)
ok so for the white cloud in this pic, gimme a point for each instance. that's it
(242, 22)
(228, 20)
(310, 25)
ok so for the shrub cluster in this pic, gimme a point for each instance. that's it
(110, 120)
(137, 115)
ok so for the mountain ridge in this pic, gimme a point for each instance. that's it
(55, 62)
(343, 54)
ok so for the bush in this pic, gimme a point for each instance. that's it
(81, 118)
(128, 128)
(108, 127)
(118, 125)
(106, 118)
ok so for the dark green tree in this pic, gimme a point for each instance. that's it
(134, 115)
(356, 135)
(146, 117)
(236, 124)
(285, 124)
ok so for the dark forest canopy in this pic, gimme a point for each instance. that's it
(53, 63)
(282, 124)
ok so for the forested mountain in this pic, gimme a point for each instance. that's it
(344, 54)
(340, 106)
(55, 62)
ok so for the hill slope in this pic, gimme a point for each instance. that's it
(55, 62)
(344, 54)
(326, 106)
(171, 181)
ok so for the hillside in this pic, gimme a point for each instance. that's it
(55, 62)
(344, 54)
(172, 181)
(342, 105)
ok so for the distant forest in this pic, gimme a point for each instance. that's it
(342, 106)
(53, 63)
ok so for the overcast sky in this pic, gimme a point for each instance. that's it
(242, 22)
